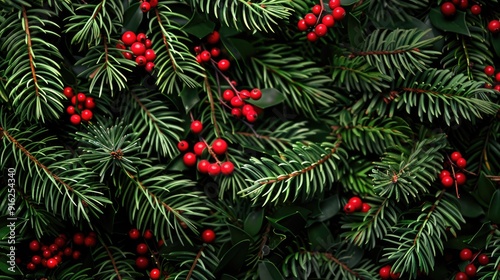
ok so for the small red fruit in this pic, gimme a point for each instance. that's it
(47, 254)
(228, 94)
(302, 25)
(497, 87)
(460, 178)
(36, 259)
(463, 4)
(141, 60)
(447, 181)
(494, 26)
(227, 168)
(149, 66)
(189, 159)
(395, 275)
(153, 3)
(31, 266)
(213, 169)
(236, 112)
(466, 254)
(142, 262)
(75, 119)
(475, 10)
(208, 236)
(68, 251)
(251, 116)
(244, 94)
(34, 245)
(349, 208)
(199, 147)
(444, 173)
(310, 19)
(142, 248)
(236, 101)
(183, 145)
(134, 233)
(141, 37)
(76, 255)
(316, 9)
(51, 263)
(128, 55)
(455, 156)
(489, 70)
(497, 77)
(68, 92)
(138, 48)
(385, 272)
(148, 43)
(150, 55)
(215, 52)
(213, 38)
(328, 20)
(255, 94)
(247, 108)
(356, 202)
(205, 56)
(321, 30)
(90, 241)
(148, 234)
(155, 274)
(470, 270)
(203, 166)
(128, 38)
(223, 65)
(338, 13)
(219, 146)
(196, 127)
(334, 4)
(53, 248)
(461, 276)
(483, 259)
(145, 7)
(312, 37)
(365, 207)
(89, 103)
(461, 163)
(448, 9)
(81, 97)
(87, 115)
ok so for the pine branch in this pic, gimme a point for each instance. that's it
(33, 74)
(391, 13)
(484, 152)
(299, 173)
(356, 176)
(193, 262)
(112, 262)
(355, 74)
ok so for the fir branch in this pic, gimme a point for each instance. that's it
(111, 262)
(354, 73)
(198, 256)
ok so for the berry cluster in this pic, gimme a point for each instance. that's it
(142, 249)
(355, 204)
(449, 8)
(386, 273)
(218, 148)
(231, 98)
(146, 5)
(50, 256)
(81, 106)
(470, 269)
(490, 71)
(459, 177)
(317, 22)
(208, 236)
(140, 47)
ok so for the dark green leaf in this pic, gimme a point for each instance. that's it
(470, 208)
(227, 277)
(253, 222)
(177, 164)
(494, 210)
(199, 26)
(270, 97)
(132, 18)
(495, 42)
(351, 256)
(275, 238)
(237, 234)
(457, 24)
(329, 208)
(189, 98)
(234, 258)
(290, 223)
(355, 31)
(320, 237)
(267, 271)
(484, 190)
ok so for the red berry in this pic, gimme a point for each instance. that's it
(142, 262)
(208, 236)
(497, 87)
(236, 101)
(461, 163)
(128, 55)
(223, 64)
(475, 10)
(338, 13)
(213, 38)
(356, 202)
(328, 20)
(302, 25)
(76, 255)
(455, 156)
(312, 37)
(149, 66)
(497, 77)
(334, 4)
(148, 234)
(349, 208)
(205, 56)
(483, 259)
(255, 94)
(489, 70)
(461, 276)
(316, 9)
(213, 169)
(444, 173)
(310, 19)
(47, 254)
(236, 112)
(128, 38)
(134, 233)
(494, 26)
(68, 251)
(141, 60)
(89, 103)
(145, 7)
(247, 108)
(155, 274)
(150, 55)
(87, 115)
(199, 147)
(251, 116)
(36, 259)
(148, 43)
(365, 207)
(138, 48)
(448, 9)
(197, 49)
(228, 94)
(34, 245)
(141, 37)
(463, 4)
(75, 119)
(460, 178)
(244, 94)
(447, 181)
(142, 248)
(51, 263)
(53, 248)
(196, 127)
(153, 3)
(321, 30)
(81, 97)
(90, 241)
(395, 275)
(183, 145)
(189, 159)
(470, 270)
(120, 46)
(203, 166)
(30, 266)
(219, 146)
(215, 52)
(466, 254)
(385, 272)
(68, 92)
(227, 168)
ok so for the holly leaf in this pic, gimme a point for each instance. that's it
(470, 208)
(132, 18)
(198, 26)
(253, 222)
(457, 24)
(329, 208)
(484, 190)
(234, 258)
(270, 97)
(494, 209)
(320, 237)
(190, 98)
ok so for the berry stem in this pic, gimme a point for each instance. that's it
(198, 256)
(210, 151)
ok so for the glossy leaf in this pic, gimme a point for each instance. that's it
(253, 222)
(494, 210)
(270, 97)
(234, 258)
(267, 270)
(457, 24)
